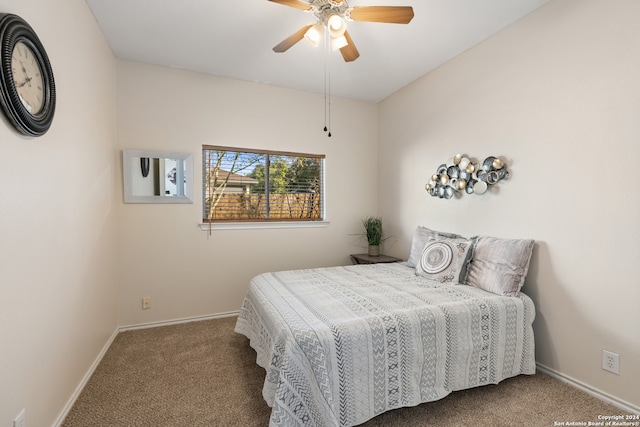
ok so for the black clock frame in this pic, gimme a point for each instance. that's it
(14, 29)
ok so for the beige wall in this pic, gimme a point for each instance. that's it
(58, 301)
(163, 252)
(557, 95)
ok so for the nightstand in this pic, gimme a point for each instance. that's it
(368, 259)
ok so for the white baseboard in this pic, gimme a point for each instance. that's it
(96, 362)
(178, 321)
(85, 380)
(598, 394)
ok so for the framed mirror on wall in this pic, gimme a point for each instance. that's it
(157, 176)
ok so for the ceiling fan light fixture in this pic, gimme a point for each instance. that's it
(333, 15)
(338, 42)
(336, 26)
(314, 34)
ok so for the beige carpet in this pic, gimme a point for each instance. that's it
(204, 374)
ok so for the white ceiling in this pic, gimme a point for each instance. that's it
(234, 38)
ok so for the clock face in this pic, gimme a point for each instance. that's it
(27, 77)
(27, 87)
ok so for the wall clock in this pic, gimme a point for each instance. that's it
(27, 88)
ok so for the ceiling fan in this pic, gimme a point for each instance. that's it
(332, 16)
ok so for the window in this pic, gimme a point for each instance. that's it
(261, 186)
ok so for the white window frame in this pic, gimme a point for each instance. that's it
(266, 224)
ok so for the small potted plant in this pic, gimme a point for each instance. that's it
(373, 230)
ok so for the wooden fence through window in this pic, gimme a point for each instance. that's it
(290, 206)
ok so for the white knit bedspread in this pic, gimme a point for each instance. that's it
(341, 345)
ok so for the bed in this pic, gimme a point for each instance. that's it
(341, 345)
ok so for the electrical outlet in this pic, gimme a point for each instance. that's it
(146, 303)
(19, 421)
(611, 362)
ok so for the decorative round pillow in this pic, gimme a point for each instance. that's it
(436, 257)
(445, 259)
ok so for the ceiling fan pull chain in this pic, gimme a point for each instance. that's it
(325, 93)
(327, 84)
(326, 77)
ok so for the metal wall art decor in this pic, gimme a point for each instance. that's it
(466, 175)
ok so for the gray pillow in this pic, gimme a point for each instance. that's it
(499, 265)
(445, 259)
(421, 237)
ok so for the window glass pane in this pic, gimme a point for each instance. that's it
(261, 186)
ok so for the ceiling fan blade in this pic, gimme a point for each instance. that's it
(294, 38)
(298, 4)
(388, 14)
(349, 52)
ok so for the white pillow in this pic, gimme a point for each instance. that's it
(445, 259)
(499, 265)
(421, 237)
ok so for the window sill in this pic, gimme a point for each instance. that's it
(262, 225)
